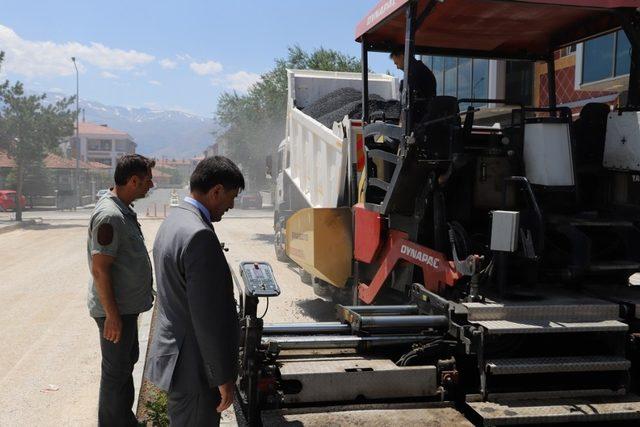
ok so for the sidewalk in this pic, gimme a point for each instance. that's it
(48, 214)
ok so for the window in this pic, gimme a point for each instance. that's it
(438, 71)
(99, 144)
(606, 57)
(451, 76)
(623, 55)
(280, 158)
(122, 145)
(480, 87)
(519, 82)
(464, 77)
(460, 77)
(569, 50)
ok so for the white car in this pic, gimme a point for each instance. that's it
(174, 200)
(101, 193)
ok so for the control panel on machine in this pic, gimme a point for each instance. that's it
(259, 280)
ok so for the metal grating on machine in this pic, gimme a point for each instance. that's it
(546, 411)
(628, 296)
(543, 365)
(503, 327)
(613, 266)
(565, 309)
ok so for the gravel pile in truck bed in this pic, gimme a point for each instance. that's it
(332, 101)
(348, 102)
(391, 110)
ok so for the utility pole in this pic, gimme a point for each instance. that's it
(77, 183)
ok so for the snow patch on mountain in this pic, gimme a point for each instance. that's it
(173, 134)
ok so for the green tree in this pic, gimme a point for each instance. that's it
(30, 128)
(255, 123)
(38, 180)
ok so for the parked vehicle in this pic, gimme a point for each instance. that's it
(101, 193)
(8, 200)
(174, 200)
(319, 160)
(249, 199)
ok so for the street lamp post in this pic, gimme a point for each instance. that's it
(73, 59)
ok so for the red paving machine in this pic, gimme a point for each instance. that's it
(516, 245)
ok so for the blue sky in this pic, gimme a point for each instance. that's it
(167, 54)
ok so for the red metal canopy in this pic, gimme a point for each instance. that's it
(493, 28)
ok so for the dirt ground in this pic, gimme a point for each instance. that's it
(251, 239)
(49, 363)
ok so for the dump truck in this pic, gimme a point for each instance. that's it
(321, 154)
(514, 249)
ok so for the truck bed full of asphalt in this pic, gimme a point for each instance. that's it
(348, 102)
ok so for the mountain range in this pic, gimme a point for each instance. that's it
(158, 133)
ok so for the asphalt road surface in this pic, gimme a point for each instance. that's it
(49, 363)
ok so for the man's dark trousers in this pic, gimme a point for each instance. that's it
(116, 381)
(194, 409)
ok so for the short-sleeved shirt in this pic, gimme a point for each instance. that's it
(131, 274)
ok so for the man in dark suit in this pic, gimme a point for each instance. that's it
(194, 348)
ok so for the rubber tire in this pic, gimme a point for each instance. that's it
(323, 289)
(278, 237)
(306, 277)
(343, 296)
(281, 255)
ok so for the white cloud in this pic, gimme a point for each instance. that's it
(55, 90)
(240, 81)
(184, 57)
(155, 83)
(108, 75)
(46, 58)
(168, 64)
(206, 68)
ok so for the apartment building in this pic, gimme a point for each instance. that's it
(101, 144)
(594, 71)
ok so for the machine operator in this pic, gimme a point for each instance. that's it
(422, 82)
